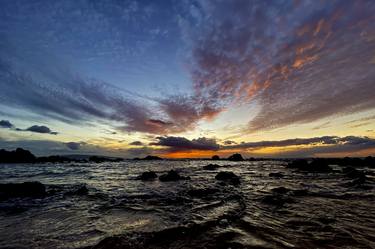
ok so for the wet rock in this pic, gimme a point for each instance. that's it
(353, 173)
(300, 192)
(26, 189)
(228, 177)
(319, 165)
(172, 175)
(298, 164)
(276, 175)
(152, 158)
(276, 200)
(211, 167)
(17, 156)
(316, 165)
(236, 157)
(147, 176)
(280, 190)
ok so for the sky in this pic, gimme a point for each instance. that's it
(188, 78)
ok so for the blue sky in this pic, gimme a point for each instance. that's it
(104, 74)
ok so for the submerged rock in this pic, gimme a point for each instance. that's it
(26, 189)
(236, 157)
(277, 175)
(172, 175)
(228, 176)
(147, 176)
(202, 192)
(211, 167)
(316, 165)
(280, 190)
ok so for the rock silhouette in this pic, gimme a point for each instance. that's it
(17, 156)
(26, 189)
(215, 157)
(211, 167)
(147, 176)
(228, 177)
(236, 157)
(172, 176)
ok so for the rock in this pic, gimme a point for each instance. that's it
(172, 176)
(277, 175)
(211, 167)
(26, 189)
(298, 164)
(228, 177)
(235, 157)
(147, 176)
(276, 200)
(280, 190)
(319, 165)
(353, 173)
(17, 156)
(152, 158)
(215, 157)
(316, 165)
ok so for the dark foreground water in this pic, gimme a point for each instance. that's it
(327, 212)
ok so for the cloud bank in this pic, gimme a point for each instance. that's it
(300, 61)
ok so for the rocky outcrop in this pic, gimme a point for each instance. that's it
(26, 189)
(172, 175)
(147, 176)
(211, 167)
(228, 177)
(236, 157)
(17, 156)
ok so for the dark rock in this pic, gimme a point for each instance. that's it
(17, 156)
(152, 158)
(298, 164)
(319, 165)
(147, 176)
(277, 175)
(353, 173)
(215, 157)
(300, 192)
(211, 167)
(276, 200)
(26, 189)
(172, 176)
(280, 190)
(235, 157)
(228, 176)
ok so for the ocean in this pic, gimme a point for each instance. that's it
(292, 210)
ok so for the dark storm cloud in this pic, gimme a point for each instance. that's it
(184, 144)
(41, 129)
(73, 145)
(300, 60)
(136, 143)
(304, 146)
(287, 142)
(6, 124)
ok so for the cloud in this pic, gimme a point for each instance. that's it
(297, 67)
(6, 124)
(73, 145)
(136, 143)
(41, 129)
(184, 144)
